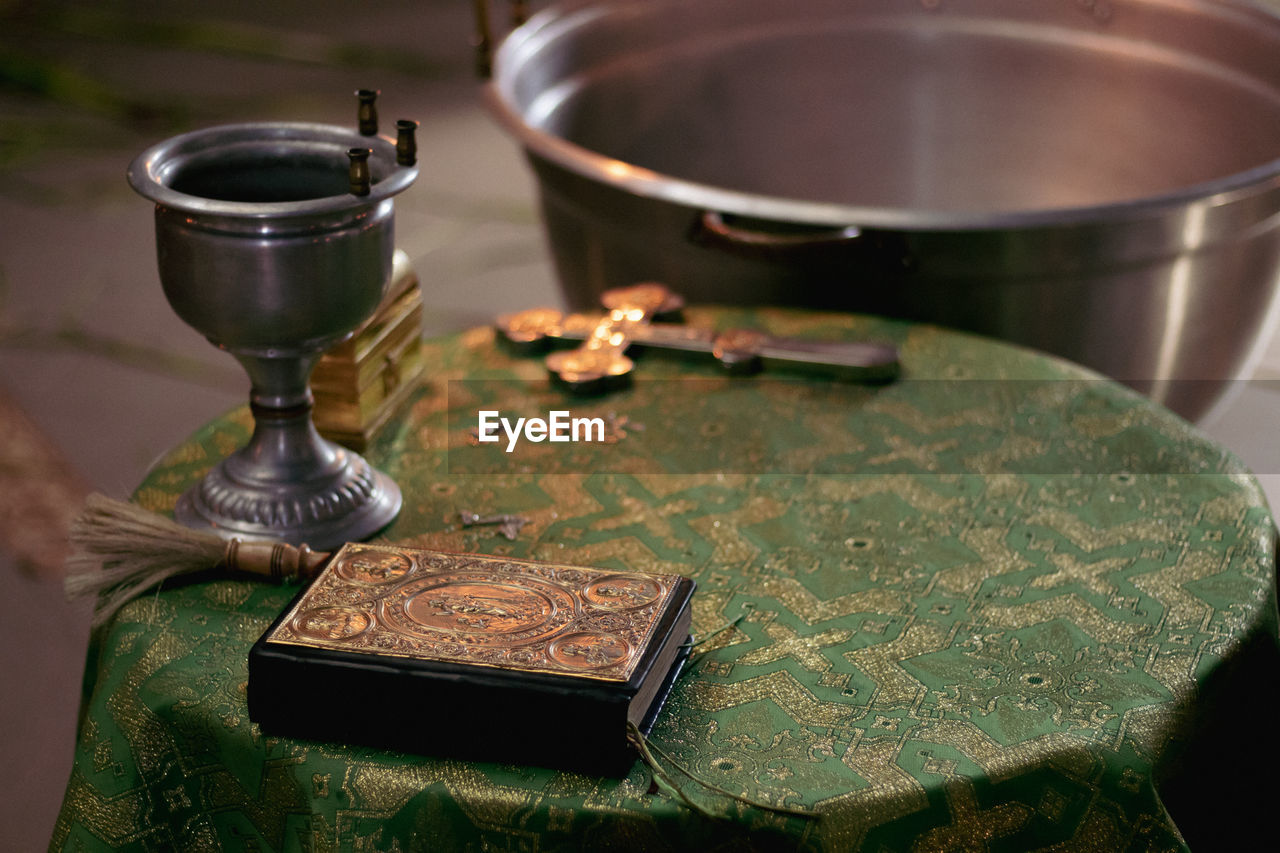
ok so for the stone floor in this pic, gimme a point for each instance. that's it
(98, 377)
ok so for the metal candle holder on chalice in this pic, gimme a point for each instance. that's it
(275, 241)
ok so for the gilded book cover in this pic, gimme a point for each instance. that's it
(472, 655)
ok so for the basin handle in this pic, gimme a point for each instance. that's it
(804, 246)
(757, 237)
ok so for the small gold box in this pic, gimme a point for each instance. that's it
(359, 384)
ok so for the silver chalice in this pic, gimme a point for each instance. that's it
(275, 240)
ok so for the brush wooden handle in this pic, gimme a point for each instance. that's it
(275, 560)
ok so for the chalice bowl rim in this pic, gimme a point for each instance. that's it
(153, 172)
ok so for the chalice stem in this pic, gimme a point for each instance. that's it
(285, 446)
(288, 482)
(279, 381)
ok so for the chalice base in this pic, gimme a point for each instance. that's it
(349, 500)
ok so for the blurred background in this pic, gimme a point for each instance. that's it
(97, 375)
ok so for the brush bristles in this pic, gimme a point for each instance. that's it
(122, 549)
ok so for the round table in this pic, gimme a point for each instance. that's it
(999, 603)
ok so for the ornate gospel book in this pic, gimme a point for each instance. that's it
(471, 656)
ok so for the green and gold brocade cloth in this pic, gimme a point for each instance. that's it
(999, 604)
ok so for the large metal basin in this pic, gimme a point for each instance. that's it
(1095, 178)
